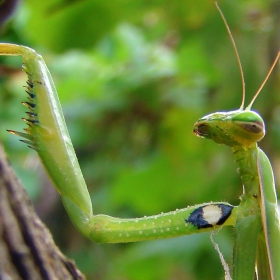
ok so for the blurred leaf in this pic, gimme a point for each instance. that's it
(56, 23)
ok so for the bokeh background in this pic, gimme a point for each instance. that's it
(133, 77)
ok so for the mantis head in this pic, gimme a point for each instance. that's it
(240, 127)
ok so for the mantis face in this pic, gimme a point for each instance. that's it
(231, 128)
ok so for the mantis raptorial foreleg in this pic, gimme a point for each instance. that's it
(48, 135)
(256, 219)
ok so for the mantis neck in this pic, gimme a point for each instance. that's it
(248, 222)
(246, 158)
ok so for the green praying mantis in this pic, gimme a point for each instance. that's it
(255, 220)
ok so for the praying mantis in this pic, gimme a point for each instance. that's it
(255, 219)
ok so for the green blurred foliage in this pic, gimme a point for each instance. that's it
(133, 77)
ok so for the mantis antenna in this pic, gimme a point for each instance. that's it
(236, 54)
(240, 66)
(263, 83)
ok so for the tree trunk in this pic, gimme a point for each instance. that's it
(27, 250)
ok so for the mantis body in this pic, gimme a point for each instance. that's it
(255, 219)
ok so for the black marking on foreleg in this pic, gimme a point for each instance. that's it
(226, 211)
(210, 215)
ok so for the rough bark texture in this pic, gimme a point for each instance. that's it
(27, 250)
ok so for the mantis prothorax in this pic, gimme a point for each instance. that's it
(256, 219)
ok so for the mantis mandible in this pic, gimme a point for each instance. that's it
(255, 219)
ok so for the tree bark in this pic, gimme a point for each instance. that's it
(27, 250)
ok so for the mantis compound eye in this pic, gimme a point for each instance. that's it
(251, 124)
(252, 127)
